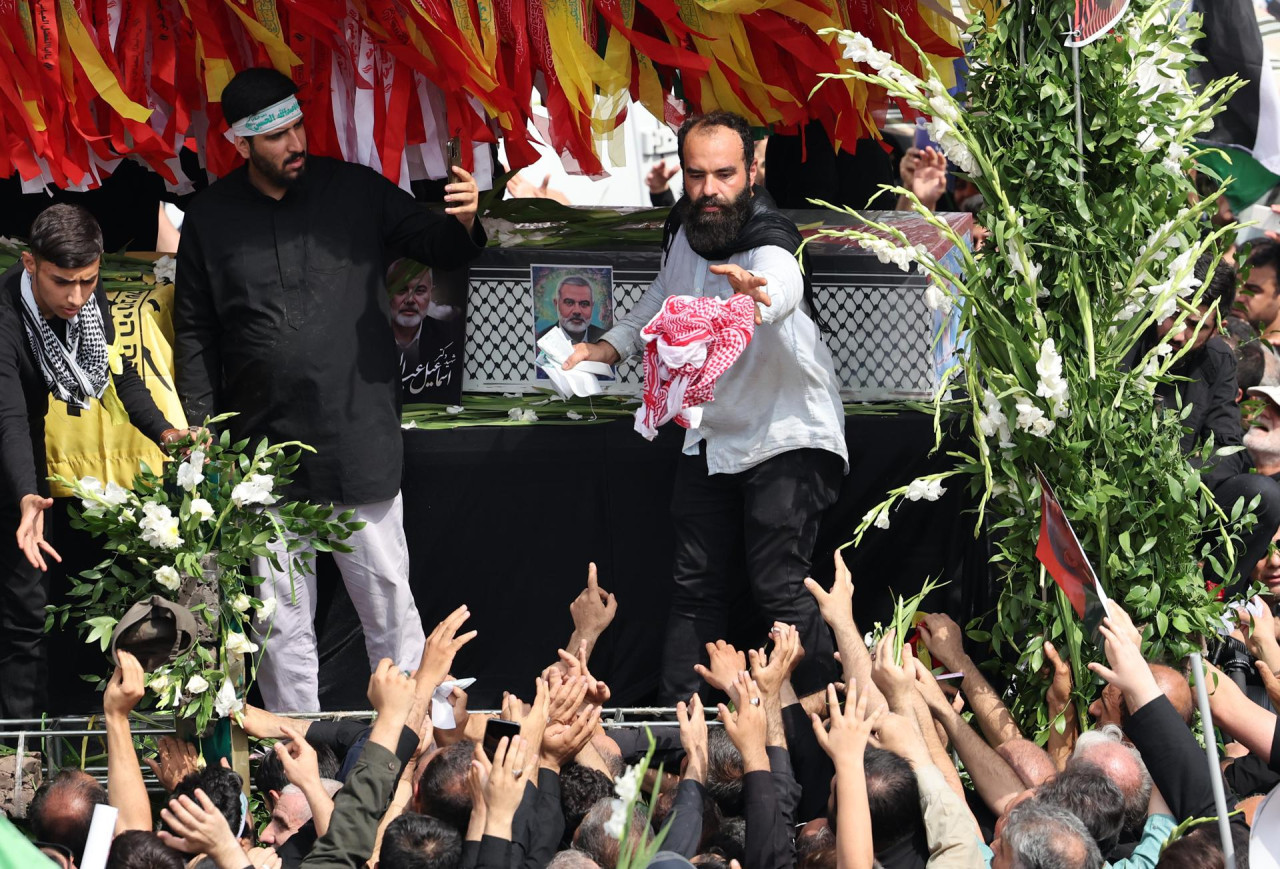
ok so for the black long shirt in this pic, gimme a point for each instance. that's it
(281, 315)
(24, 396)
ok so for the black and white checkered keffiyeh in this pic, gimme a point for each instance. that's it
(75, 371)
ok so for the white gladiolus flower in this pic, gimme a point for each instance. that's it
(454, 409)
(626, 786)
(201, 509)
(91, 485)
(159, 683)
(573, 414)
(169, 577)
(882, 520)
(616, 825)
(267, 610)
(857, 48)
(937, 299)
(254, 489)
(241, 603)
(197, 685)
(226, 703)
(944, 107)
(1174, 158)
(238, 643)
(992, 420)
(1031, 418)
(927, 490)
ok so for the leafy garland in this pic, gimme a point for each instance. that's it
(190, 534)
(1073, 277)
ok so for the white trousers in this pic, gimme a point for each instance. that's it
(376, 575)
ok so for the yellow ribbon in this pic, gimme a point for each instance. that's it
(100, 76)
(282, 56)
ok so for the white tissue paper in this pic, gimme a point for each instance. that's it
(555, 348)
(441, 711)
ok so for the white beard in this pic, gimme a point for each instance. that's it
(1264, 447)
(407, 321)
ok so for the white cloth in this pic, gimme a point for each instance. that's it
(581, 380)
(441, 710)
(376, 575)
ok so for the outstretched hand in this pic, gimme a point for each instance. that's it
(31, 531)
(745, 283)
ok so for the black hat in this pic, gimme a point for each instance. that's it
(155, 631)
(252, 90)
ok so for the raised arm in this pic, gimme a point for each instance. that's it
(836, 607)
(125, 789)
(846, 743)
(944, 641)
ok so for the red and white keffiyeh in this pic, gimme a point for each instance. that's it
(689, 345)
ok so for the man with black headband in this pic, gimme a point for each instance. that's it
(281, 316)
(769, 455)
(55, 338)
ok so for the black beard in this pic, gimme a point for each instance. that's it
(710, 234)
(274, 175)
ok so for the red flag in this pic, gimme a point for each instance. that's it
(1060, 552)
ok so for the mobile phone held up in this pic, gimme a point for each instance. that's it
(454, 152)
(494, 730)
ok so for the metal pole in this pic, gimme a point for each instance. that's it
(1211, 752)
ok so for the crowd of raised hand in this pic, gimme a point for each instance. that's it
(880, 770)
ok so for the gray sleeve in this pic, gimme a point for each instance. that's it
(625, 335)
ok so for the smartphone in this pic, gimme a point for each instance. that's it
(454, 151)
(922, 139)
(494, 730)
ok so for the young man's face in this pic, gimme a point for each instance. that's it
(1178, 339)
(279, 158)
(1260, 297)
(60, 292)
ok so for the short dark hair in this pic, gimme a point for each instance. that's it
(1251, 365)
(62, 809)
(1219, 284)
(444, 788)
(269, 775)
(414, 841)
(252, 90)
(893, 796)
(1264, 252)
(67, 236)
(729, 842)
(223, 787)
(581, 787)
(719, 118)
(142, 849)
(1085, 791)
(724, 772)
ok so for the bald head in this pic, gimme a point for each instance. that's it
(63, 809)
(1106, 749)
(1174, 686)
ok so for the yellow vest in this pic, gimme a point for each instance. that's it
(91, 443)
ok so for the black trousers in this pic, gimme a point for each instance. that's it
(24, 591)
(1256, 540)
(770, 514)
